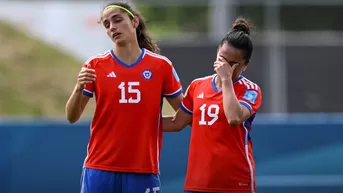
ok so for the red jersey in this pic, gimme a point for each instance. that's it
(126, 133)
(220, 156)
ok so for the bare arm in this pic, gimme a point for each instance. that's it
(75, 105)
(235, 112)
(177, 122)
(175, 102)
(78, 101)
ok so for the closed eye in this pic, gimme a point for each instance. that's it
(106, 24)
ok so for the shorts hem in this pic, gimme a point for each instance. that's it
(210, 190)
(119, 169)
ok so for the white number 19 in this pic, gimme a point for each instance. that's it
(212, 112)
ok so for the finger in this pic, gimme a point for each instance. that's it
(90, 70)
(86, 82)
(85, 78)
(90, 75)
(92, 78)
(218, 63)
(222, 59)
(234, 65)
(84, 74)
(89, 79)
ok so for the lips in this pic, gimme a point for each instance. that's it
(116, 35)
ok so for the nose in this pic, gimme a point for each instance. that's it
(113, 27)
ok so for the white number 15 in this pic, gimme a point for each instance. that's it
(130, 90)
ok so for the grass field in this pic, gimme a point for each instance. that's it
(35, 78)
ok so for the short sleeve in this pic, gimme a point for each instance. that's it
(171, 85)
(251, 98)
(187, 102)
(89, 88)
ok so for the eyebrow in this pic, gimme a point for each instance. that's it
(113, 17)
(224, 58)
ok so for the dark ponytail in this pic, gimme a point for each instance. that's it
(143, 37)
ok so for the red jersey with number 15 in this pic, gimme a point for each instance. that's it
(220, 156)
(126, 132)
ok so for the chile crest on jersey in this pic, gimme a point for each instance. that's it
(147, 74)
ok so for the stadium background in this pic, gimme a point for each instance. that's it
(297, 134)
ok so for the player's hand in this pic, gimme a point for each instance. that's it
(86, 76)
(223, 69)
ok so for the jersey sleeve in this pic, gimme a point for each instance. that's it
(172, 85)
(187, 102)
(251, 98)
(89, 88)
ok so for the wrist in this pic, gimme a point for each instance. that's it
(227, 84)
(226, 80)
(78, 88)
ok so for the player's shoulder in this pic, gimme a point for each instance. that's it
(99, 58)
(158, 58)
(199, 82)
(247, 84)
(202, 79)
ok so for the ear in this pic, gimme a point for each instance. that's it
(135, 22)
(245, 66)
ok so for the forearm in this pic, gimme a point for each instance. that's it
(169, 124)
(232, 108)
(73, 106)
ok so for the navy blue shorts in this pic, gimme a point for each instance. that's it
(99, 181)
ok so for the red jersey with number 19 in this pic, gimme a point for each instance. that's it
(220, 156)
(126, 133)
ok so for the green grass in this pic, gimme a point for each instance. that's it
(36, 79)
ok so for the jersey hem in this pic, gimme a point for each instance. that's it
(184, 108)
(174, 94)
(119, 169)
(216, 190)
(247, 105)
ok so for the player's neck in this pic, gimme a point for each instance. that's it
(218, 83)
(128, 53)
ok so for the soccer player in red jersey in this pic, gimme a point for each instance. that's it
(129, 83)
(221, 108)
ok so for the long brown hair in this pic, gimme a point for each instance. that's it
(143, 37)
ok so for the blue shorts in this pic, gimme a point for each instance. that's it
(99, 181)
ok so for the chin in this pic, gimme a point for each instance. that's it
(119, 42)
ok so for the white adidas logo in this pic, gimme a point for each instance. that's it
(111, 75)
(200, 96)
